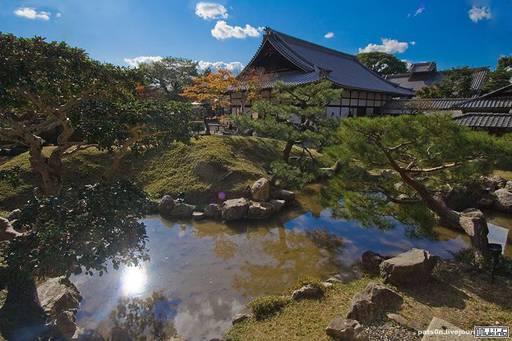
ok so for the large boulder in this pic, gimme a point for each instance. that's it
(504, 200)
(166, 205)
(372, 302)
(260, 210)
(412, 267)
(235, 209)
(370, 262)
(60, 300)
(260, 190)
(345, 330)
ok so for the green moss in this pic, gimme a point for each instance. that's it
(267, 306)
(301, 320)
(201, 169)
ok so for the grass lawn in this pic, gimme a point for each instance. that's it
(201, 169)
(457, 296)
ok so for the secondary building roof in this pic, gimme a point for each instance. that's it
(421, 75)
(297, 61)
(492, 121)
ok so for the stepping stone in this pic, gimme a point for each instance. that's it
(438, 325)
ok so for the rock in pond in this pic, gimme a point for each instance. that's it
(370, 262)
(412, 267)
(235, 209)
(374, 300)
(212, 211)
(283, 194)
(60, 299)
(260, 190)
(240, 318)
(308, 291)
(504, 200)
(345, 330)
(198, 215)
(182, 210)
(166, 205)
(277, 204)
(260, 210)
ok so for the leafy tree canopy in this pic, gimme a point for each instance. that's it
(455, 84)
(211, 88)
(83, 228)
(54, 88)
(170, 75)
(409, 160)
(382, 63)
(295, 114)
(500, 77)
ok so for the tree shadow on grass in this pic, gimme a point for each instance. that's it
(479, 284)
(438, 293)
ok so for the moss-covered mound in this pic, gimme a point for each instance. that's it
(201, 169)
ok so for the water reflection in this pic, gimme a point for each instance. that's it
(211, 270)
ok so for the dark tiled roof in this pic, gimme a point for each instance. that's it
(504, 103)
(341, 68)
(417, 104)
(416, 81)
(293, 78)
(423, 67)
(485, 120)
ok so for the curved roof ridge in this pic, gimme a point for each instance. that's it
(310, 44)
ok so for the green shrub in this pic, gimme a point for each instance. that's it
(266, 306)
(290, 176)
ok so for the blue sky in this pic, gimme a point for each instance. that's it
(451, 32)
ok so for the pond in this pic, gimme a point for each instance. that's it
(210, 270)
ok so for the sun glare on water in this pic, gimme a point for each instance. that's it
(133, 281)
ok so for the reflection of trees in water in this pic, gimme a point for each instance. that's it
(144, 319)
(349, 200)
(84, 228)
(273, 257)
(292, 255)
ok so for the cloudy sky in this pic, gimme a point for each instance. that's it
(227, 33)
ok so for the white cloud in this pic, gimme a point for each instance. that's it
(387, 46)
(419, 11)
(209, 10)
(329, 35)
(136, 61)
(32, 13)
(223, 30)
(234, 67)
(479, 13)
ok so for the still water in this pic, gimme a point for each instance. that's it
(210, 270)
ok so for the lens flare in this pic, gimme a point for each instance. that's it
(133, 281)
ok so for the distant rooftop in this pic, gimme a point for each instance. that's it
(421, 75)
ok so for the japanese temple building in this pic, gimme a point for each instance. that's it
(295, 61)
